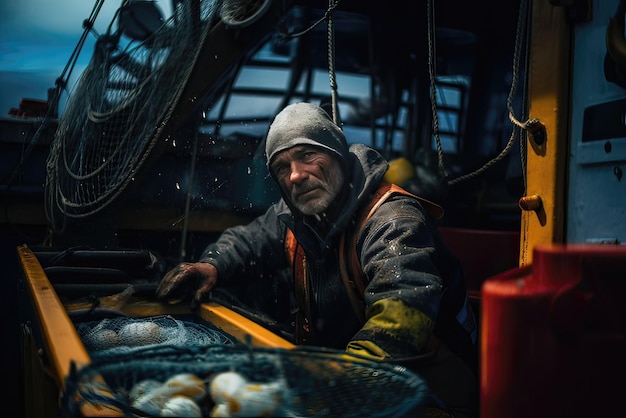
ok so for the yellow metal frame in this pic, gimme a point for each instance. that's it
(549, 96)
(59, 335)
(241, 327)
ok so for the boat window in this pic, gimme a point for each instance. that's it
(283, 72)
(451, 94)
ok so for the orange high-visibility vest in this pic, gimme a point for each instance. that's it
(352, 274)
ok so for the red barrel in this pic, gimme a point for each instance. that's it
(553, 335)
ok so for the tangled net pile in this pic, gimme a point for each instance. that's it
(300, 382)
(111, 337)
(115, 115)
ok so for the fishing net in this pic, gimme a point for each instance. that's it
(122, 101)
(241, 13)
(123, 335)
(236, 380)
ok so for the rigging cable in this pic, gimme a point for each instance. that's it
(61, 84)
(54, 95)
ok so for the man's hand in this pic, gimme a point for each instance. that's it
(187, 281)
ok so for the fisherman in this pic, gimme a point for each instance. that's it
(370, 272)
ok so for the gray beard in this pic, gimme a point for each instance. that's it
(332, 189)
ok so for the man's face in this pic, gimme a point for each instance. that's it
(310, 177)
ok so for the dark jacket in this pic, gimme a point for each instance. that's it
(410, 272)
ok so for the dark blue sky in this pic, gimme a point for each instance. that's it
(37, 38)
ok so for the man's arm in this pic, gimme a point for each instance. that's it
(396, 249)
(240, 254)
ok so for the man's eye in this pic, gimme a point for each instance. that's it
(280, 170)
(309, 155)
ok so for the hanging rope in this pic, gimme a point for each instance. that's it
(285, 36)
(523, 126)
(328, 17)
(331, 61)
(432, 71)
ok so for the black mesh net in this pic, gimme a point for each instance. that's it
(114, 336)
(115, 115)
(236, 380)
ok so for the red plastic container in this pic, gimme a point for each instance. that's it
(553, 335)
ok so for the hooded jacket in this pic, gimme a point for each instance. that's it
(415, 285)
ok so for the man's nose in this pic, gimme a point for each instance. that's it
(298, 172)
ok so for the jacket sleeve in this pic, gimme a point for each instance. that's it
(398, 255)
(246, 252)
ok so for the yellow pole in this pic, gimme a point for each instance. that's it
(549, 77)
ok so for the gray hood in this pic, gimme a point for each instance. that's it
(304, 123)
